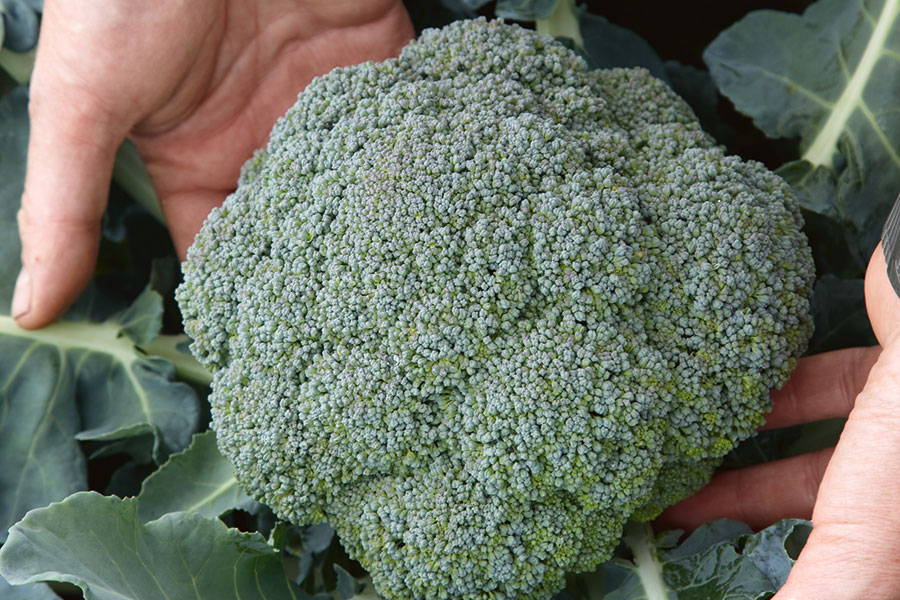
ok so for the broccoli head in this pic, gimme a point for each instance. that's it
(478, 306)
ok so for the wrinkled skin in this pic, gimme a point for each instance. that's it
(196, 85)
(849, 491)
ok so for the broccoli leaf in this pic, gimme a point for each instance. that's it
(198, 480)
(525, 10)
(38, 423)
(120, 391)
(92, 354)
(38, 420)
(83, 378)
(79, 380)
(31, 591)
(608, 46)
(13, 146)
(722, 559)
(20, 22)
(829, 77)
(130, 173)
(99, 544)
(839, 310)
(464, 6)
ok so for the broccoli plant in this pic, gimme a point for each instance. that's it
(479, 306)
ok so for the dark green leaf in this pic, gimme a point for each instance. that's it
(346, 584)
(608, 46)
(774, 549)
(142, 320)
(80, 379)
(829, 77)
(697, 88)
(126, 481)
(525, 10)
(711, 534)
(317, 538)
(41, 461)
(722, 559)
(122, 392)
(139, 447)
(839, 311)
(20, 23)
(198, 480)
(32, 591)
(99, 544)
(815, 436)
(468, 7)
(130, 173)
(13, 150)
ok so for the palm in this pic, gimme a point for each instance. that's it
(198, 85)
(847, 491)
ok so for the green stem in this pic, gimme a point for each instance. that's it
(822, 150)
(638, 537)
(562, 22)
(19, 66)
(187, 367)
(106, 338)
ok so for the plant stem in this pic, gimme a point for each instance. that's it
(638, 537)
(187, 367)
(562, 22)
(19, 66)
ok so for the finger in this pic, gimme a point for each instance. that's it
(823, 386)
(854, 548)
(70, 156)
(757, 495)
(843, 561)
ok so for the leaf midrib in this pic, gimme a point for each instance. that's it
(822, 150)
(102, 338)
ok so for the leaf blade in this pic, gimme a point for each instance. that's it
(198, 479)
(99, 544)
(828, 77)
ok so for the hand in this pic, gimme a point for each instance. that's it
(851, 491)
(196, 85)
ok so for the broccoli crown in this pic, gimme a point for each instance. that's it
(478, 306)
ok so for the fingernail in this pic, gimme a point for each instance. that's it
(21, 303)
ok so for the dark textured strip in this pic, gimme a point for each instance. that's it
(890, 239)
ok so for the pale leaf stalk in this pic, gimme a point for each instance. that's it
(824, 146)
(186, 366)
(562, 22)
(639, 538)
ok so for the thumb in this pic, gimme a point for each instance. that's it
(70, 156)
(853, 550)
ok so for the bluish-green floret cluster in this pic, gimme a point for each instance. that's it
(479, 306)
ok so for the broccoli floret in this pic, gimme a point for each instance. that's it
(479, 306)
